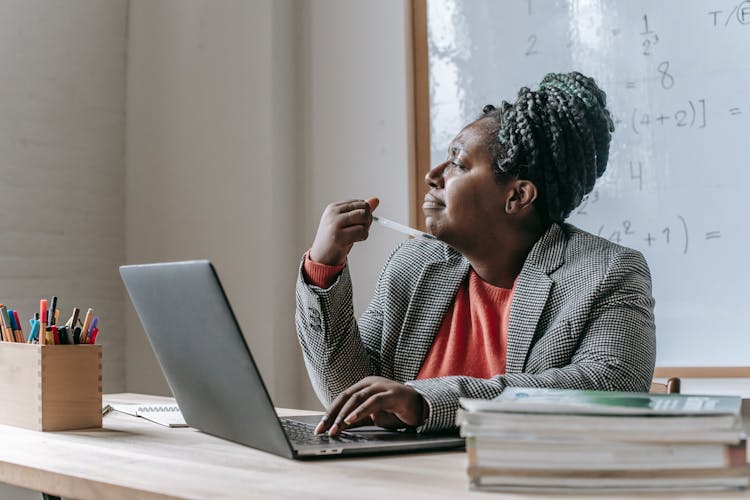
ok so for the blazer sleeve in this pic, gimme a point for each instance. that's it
(617, 350)
(338, 351)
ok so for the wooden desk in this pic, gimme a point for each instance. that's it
(132, 458)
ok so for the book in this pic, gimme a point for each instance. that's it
(686, 429)
(596, 456)
(535, 400)
(165, 414)
(555, 440)
(597, 415)
(611, 481)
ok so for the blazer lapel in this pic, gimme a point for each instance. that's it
(434, 293)
(530, 296)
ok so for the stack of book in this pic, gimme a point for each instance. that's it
(573, 441)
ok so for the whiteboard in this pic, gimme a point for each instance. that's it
(677, 187)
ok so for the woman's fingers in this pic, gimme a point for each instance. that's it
(374, 399)
(341, 225)
(373, 203)
(350, 205)
(359, 216)
(380, 401)
(333, 411)
(354, 400)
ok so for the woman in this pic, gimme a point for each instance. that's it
(507, 294)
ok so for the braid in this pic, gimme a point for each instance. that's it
(557, 137)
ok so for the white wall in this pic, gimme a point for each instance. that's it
(62, 134)
(356, 129)
(62, 124)
(211, 159)
(244, 120)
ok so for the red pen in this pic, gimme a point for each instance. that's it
(55, 334)
(92, 337)
(20, 330)
(42, 321)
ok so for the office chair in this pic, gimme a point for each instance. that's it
(671, 386)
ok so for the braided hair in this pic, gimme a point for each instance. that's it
(557, 137)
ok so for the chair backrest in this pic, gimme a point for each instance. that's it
(671, 386)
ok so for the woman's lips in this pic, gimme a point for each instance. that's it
(431, 202)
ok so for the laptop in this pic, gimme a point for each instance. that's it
(213, 377)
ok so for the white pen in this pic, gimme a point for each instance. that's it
(401, 228)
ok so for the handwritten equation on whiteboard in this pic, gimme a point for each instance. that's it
(670, 232)
(677, 78)
(653, 106)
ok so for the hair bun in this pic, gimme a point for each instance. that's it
(558, 137)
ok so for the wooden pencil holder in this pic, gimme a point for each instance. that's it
(50, 387)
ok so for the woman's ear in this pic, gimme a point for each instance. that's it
(521, 196)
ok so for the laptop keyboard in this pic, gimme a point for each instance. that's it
(302, 433)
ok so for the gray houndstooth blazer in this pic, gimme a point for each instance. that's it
(581, 318)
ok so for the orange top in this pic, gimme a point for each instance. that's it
(473, 338)
(320, 275)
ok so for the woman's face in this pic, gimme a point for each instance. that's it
(466, 199)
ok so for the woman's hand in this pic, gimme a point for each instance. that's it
(341, 225)
(374, 400)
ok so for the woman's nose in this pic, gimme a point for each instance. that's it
(434, 177)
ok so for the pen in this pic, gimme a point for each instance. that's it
(34, 330)
(7, 332)
(62, 333)
(51, 313)
(42, 321)
(66, 334)
(86, 325)
(13, 325)
(73, 318)
(94, 333)
(49, 336)
(401, 228)
(18, 325)
(94, 324)
(77, 335)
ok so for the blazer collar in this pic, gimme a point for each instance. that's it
(433, 295)
(530, 296)
(548, 253)
(427, 308)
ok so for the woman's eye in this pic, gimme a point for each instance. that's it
(457, 165)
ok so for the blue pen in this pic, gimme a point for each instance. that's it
(94, 323)
(15, 325)
(34, 323)
(12, 324)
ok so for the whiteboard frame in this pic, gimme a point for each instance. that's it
(420, 165)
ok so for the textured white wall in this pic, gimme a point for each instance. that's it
(356, 128)
(62, 124)
(244, 120)
(211, 165)
(62, 134)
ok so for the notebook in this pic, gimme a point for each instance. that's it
(166, 415)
